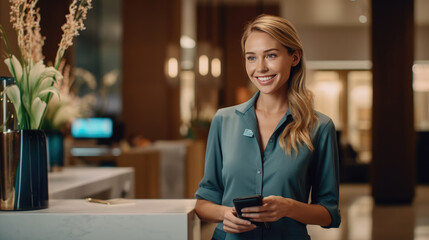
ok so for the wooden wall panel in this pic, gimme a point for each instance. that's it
(148, 101)
(11, 35)
(233, 24)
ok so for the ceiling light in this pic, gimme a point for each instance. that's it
(187, 42)
(363, 19)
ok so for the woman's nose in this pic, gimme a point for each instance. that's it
(261, 66)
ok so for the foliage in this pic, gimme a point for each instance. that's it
(35, 82)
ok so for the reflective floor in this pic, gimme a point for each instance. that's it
(362, 220)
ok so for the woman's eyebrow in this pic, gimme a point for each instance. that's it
(271, 49)
(265, 51)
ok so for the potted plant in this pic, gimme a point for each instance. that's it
(30, 95)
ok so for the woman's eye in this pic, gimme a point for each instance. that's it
(272, 55)
(251, 58)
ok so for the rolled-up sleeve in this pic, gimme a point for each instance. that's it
(325, 186)
(211, 186)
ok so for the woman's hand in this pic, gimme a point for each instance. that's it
(233, 224)
(273, 208)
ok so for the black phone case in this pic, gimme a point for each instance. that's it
(248, 201)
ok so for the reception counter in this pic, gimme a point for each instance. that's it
(79, 219)
(99, 182)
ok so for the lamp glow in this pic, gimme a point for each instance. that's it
(203, 63)
(172, 67)
(216, 67)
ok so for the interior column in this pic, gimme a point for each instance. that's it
(393, 165)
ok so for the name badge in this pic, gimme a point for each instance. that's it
(248, 133)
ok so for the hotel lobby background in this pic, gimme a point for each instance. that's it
(150, 105)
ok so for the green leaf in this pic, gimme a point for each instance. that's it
(26, 101)
(48, 90)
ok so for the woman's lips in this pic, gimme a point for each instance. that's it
(264, 80)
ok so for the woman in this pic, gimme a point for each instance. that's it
(275, 145)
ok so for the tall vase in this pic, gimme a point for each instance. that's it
(24, 182)
(23, 161)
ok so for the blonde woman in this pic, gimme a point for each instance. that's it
(274, 145)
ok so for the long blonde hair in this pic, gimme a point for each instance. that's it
(300, 99)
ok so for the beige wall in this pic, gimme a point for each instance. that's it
(422, 43)
(335, 43)
(351, 43)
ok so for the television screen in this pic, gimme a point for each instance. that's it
(92, 128)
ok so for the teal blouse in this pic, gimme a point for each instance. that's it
(235, 167)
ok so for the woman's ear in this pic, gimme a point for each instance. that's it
(296, 57)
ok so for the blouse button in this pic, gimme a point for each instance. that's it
(259, 171)
(271, 140)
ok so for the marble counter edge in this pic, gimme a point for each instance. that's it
(156, 219)
(131, 207)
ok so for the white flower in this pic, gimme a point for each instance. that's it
(15, 97)
(14, 67)
(31, 91)
(37, 110)
(62, 111)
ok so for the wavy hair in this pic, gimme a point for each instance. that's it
(299, 98)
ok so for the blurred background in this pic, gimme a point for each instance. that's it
(159, 70)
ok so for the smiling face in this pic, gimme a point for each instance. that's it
(268, 63)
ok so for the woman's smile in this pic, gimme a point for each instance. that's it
(267, 79)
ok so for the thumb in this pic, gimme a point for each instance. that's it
(267, 199)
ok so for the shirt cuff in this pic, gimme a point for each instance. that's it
(209, 194)
(335, 215)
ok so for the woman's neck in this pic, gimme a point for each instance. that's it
(272, 103)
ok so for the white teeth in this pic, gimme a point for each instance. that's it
(265, 78)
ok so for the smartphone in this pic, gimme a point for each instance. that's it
(249, 201)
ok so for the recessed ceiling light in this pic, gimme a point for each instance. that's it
(363, 19)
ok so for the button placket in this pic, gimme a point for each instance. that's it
(259, 177)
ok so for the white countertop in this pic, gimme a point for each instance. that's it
(82, 182)
(78, 219)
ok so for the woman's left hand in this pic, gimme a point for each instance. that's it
(273, 208)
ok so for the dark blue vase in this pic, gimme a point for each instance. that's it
(23, 161)
(31, 186)
(26, 176)
(55, 149)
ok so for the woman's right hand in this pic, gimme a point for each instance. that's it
(233, 224)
